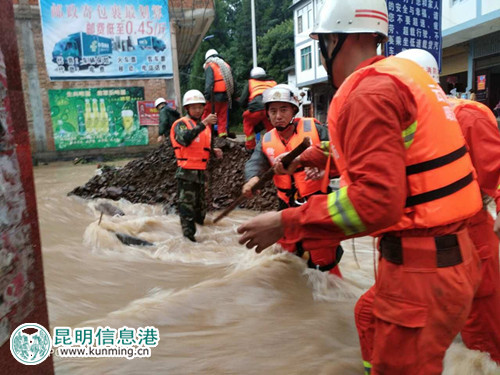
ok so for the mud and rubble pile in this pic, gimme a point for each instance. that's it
(151, 180)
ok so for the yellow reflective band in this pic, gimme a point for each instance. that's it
(343, 213)
(222, 134)
(325, 147)
(368, 367)
(409, 134)
(250, 137)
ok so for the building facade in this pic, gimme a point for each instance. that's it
(471, 48)
(470, 54)
(309, 73)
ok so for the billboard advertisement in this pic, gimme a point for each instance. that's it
(106, 39)
(414, 24)
(148, 114)
(481, 82)
(96, 118)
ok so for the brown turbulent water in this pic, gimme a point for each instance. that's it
(220, 308)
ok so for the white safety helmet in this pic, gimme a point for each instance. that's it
(423, 58)
(353, 17)
(257, 72)
(210, 52)
(193, 97)
(281, 93)
(159, 101)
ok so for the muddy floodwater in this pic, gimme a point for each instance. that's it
(219, 308)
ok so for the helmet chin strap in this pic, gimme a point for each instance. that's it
(329, 59)
(283, 128)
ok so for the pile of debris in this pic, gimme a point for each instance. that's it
(151, 180)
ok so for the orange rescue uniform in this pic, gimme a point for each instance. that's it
(480, 129)
(383, 128)
(296, 188)
(221, 108)
(273, 146)
(251, 119)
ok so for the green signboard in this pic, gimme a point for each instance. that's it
(96, 118)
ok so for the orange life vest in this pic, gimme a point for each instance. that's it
(219, 83)
(196, 155)
(441, 182)
(256, 87)
(273, 146)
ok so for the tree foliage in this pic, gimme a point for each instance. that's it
(276, 50)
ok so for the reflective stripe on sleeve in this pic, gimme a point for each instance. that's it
(325, 147)
(409, 134)
(250, 137)
(343, 213)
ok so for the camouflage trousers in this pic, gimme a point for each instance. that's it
(191, 204)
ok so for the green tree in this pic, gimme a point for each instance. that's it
(276, 50)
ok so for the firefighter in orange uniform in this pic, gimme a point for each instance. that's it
(191, 139)
(282, 105)
(406, 177)
(219, 89)
(255, 117)
(480, 129)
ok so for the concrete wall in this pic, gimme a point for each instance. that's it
(460, 12)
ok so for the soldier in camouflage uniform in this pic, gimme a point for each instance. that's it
(191, 139)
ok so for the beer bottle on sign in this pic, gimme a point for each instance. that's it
(81, 120)
(88, 112)
(112, 127)
(103, 117)
(94, 118)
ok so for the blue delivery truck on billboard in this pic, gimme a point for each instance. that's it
(80, 49)
(151, 42)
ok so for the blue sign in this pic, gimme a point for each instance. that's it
(414, 24)
(106, 39)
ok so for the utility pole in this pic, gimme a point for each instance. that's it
(254, 39)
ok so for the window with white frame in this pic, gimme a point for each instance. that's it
(299, 25)
(305, 58)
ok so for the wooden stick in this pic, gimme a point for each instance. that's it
(268, 175)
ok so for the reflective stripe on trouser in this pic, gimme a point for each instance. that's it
(250, 121)
(368, 367)
(482, 330)
(408, 319)
(191, 204)
(343, 213)
(221, 110)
